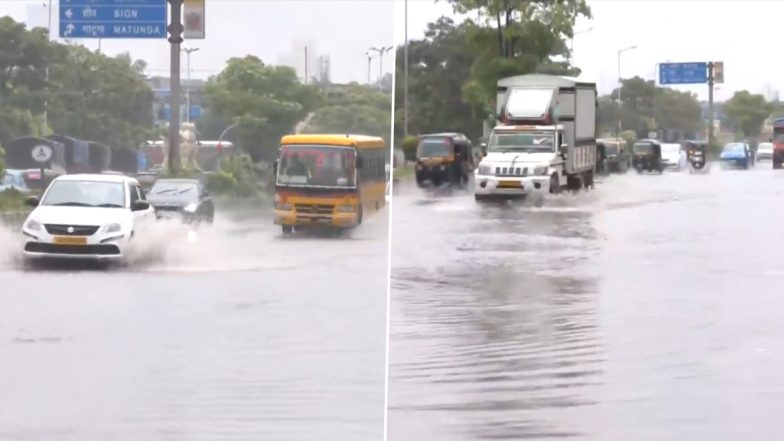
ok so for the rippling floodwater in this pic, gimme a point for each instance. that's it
(647, 309)
(238, 335)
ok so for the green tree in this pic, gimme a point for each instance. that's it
(356, 109)
(677, 110)
(439, 65)
(266, 101)
(100, 98)
(747, 112)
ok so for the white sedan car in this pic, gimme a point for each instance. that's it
(673, 156)
(86, 217)
(764, 151)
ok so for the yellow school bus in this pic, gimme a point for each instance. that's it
(328, 180)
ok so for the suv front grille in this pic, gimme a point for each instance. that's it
(78, 230)
(511, 171)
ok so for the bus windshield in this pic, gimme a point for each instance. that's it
(317, 166)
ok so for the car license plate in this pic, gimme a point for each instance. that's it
(70, 240)
(510, 184)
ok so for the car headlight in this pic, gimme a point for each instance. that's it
(112, 228)
(191, 207)
(346, 208)
(540, 170)
(282, 206)
(443, 167)
(484, 170)
(33, 225)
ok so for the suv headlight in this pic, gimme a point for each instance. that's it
(541, 170)
(191, 207)
(484, 170)
(346, 208)
(33, 225)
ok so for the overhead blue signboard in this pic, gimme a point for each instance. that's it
(683, 73)
(113, 18)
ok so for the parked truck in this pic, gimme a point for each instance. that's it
(544, 140)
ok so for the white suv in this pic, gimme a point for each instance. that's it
(86, 217)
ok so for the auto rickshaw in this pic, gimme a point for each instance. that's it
(697, 156)
(615, 156)
(444, 159)
(647, 156)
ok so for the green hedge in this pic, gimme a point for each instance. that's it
(12, 200)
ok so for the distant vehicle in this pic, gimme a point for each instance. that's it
(673, 156)
(647, 156)
(14, 179)
(545, 139)
(764, 151)
(616, 154)
(86, 216)
(736, 154)
(186, 199)
(444, 159)
(697, 156)
(778, 142)
(328, 180)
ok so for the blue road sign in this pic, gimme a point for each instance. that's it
(683, 73)
(113, 18)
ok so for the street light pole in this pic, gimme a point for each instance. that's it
(370, 58)
(381, 52)
(405, 72)
(175, 38)
(46, 72)
(620, 86)
(188, 51)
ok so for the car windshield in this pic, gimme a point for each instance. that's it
(611, 149)
(85, 194)
(671, 149)
(434, 148)
(765, 146)
(10, 179)
(530, 142)
(735, 147)
(175, 190)
(317, 166)
(643, 147)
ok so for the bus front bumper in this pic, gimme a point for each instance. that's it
(335, 220)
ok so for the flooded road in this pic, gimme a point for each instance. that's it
(238, 335)
(647, 309)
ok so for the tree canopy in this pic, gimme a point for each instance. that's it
(90, 95)
(266, 101)
(748, 112)
(353, 108)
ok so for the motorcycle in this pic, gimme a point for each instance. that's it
(697, 161)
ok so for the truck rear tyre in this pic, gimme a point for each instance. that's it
(555, 184)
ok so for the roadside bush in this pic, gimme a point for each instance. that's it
(2, 161)
(409, 147)
(237, 177)
(629, 136)
(12, 200)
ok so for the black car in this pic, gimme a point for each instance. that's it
(181, 198)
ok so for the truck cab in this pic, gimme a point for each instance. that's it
(544, 141)
(778, 142)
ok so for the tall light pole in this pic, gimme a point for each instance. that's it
(381, 51)
(405, 71)
(188, 51)
(370, 58)
(620, 85)
(571, 45)
(46, 72)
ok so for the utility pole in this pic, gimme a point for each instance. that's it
(710, 103)
(175, 38)
(370, 59)
(405, 72)
(620, 87)
(188, 52)
(46, 72)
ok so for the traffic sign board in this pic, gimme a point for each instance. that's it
(42, 153)
(683, 73)
(113, 18)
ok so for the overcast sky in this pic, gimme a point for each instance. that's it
(741, 33)
(276, 31)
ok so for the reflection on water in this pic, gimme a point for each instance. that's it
(641, 310)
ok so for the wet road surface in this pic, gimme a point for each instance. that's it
(242, 335)
(647, 309)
